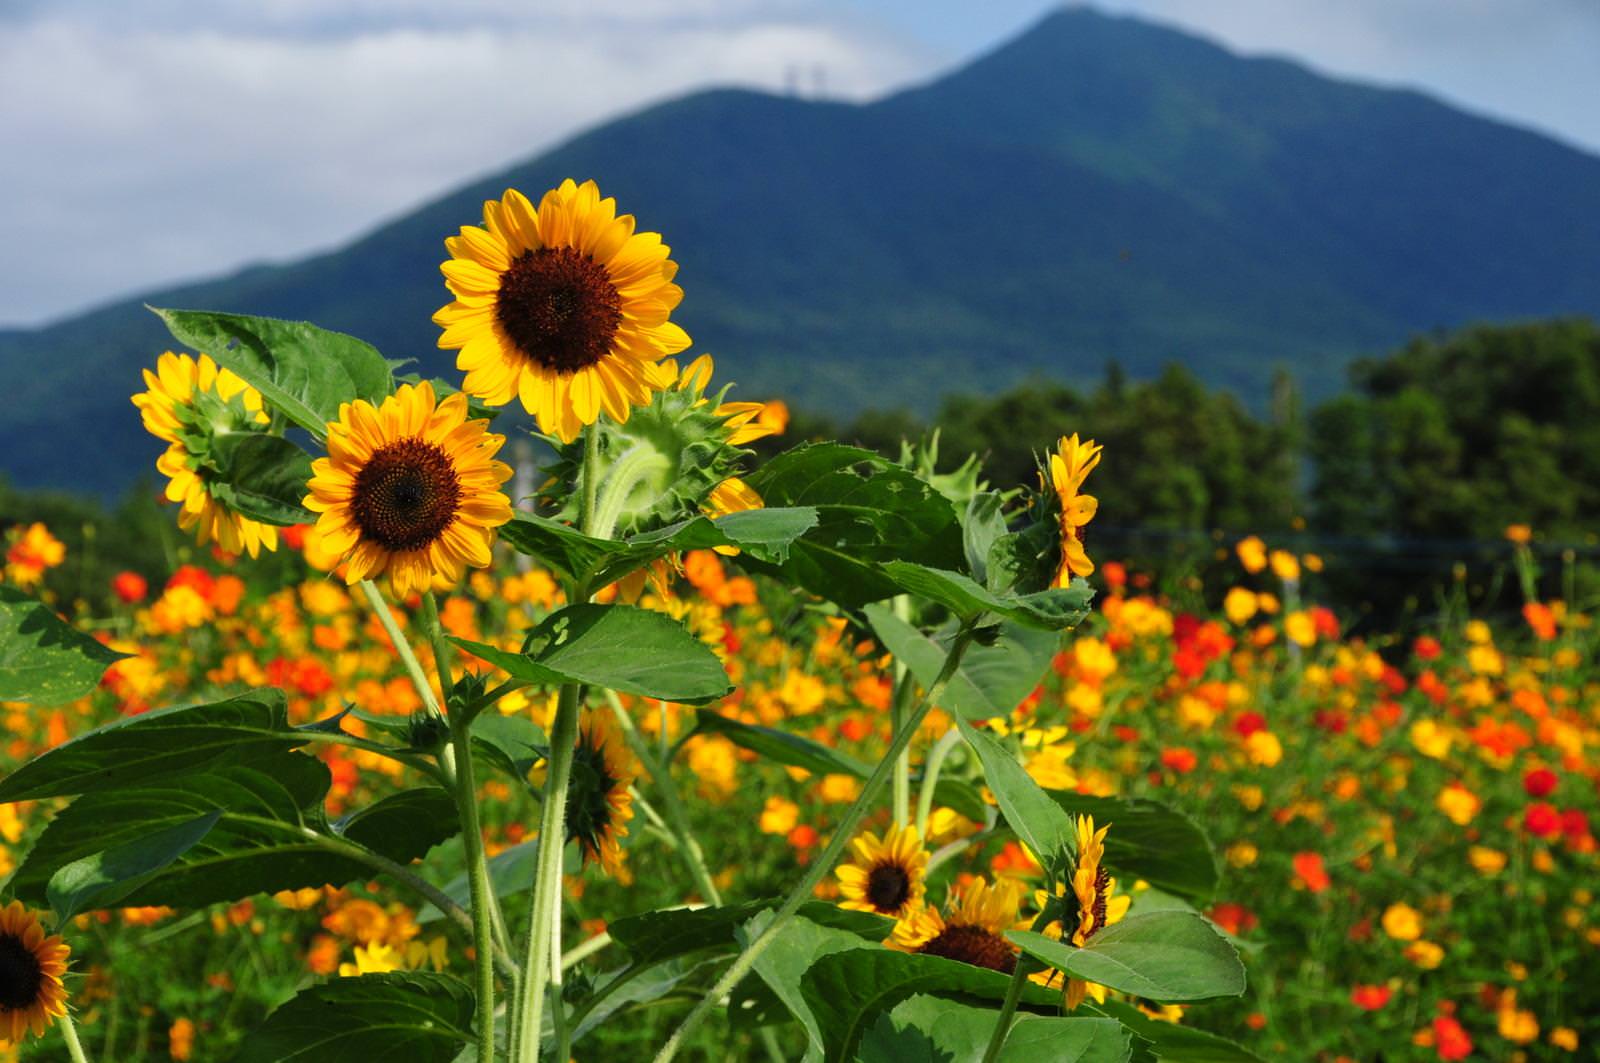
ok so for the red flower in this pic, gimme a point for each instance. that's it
(1542, 819)
(1540, 782)
(130, 587)
(193, 576)
(1249, 723)
(1369, 997)
(1180, 759)
(1450, 1038)
(1326, 623)
(1234, 918)
(1125, 733)
(294, 536)
(1575, 824)
(1308, 867)
(1426, 648)
(1115, 575)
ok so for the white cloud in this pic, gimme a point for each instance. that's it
(161, 153)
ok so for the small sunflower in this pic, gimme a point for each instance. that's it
(1070, 465)
(564, 306)
(410, 488)
(188, 403)
(1092, 906)
(599, 805)
(971, 928)
(888, 874)
(31, 967)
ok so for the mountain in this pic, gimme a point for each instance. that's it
(1098, 188)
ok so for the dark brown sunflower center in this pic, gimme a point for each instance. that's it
(589, 811)
(888, 887)
(20, 974)
(1102, 886)
(559, 307)
(406, 495)
(974, 945)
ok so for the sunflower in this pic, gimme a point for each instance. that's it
(969, 930)
(563, 306)
(599, 804)
(1070, 465)
(31, 966)
(1091, 906)
(888, 874)
(188, 403)
(410, 488)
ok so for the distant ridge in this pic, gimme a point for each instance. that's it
(1099, 187)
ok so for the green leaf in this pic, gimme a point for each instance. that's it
(403, 826)
(262, 476)
(511, 743)
(928, 1029)
(263, 841)
(511, 874)
(415, 1016)
(1166, 956)
(103, 879)
(1052, 610)
(1148, 840)
(847, 991)
(561, 547)
(781, 967)
(622, 647)
(991, 681)
(158, 746)
(1027, 808)
(655, 936)
(302, 371)
(781, 746)
(869, 511)
(1172, 1042)
(982, 525)
(43, 658)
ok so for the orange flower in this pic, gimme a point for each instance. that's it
(1310, 871)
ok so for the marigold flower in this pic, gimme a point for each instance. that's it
(1402, 922)
(1370, 997)
(1310, 872)
(1252, 554)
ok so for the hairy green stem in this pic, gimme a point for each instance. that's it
(1008, 1011)
(676, 816)
(930, 777)
(402, 646)
(842, 834)
(901, 698)
(458, 760)
(634, 465)
(69, 1034)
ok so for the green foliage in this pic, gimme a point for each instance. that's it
(928, 1029)
(1167, 956)
(101, 879)
(42, 658)
(991, 680)
(1150, 841)
(261, 476)
(414, 1016)
(1051, 610)
(1027, 808)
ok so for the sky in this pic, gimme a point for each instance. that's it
(148, 142)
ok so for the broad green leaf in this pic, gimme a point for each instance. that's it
(511, 874)
(302, 371)
(982, 525)
(406, 1015)
(103, 879)
(624, 988)
(654, 936)
(1166, 956)
(928, 1029)
(262, 476)
(561, 547)
(869, 511)
(1028, 809)
(781, 746)
(159, 746)
(800, 752)
(403, 826)
(1052, 610)
(1174, 1042)
(511, 743)
(622, 647)
(1148, 840)
(800, 943)
(264, 840)
(991, 681)
(847, 991)
(44, 659)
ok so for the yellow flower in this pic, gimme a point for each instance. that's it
(1520, 534)
(1242, 854)
(1564, 1037)
(1515, 1024)
(1264, 749)
(373, 959)
(189, 402)
(1285, 566)
(564, 306)
(1459, 804)
(1300, 628)
(838, 789)
(779, 816)
(1252, 554)
(1486, 861)
(887, 875)
(1485, 660)
(1402, 922)
(1239, 605)
(1070, 465)
(1431, 739)
(970, 928)
(1478, 632)
(34, 966)
(1096, 901)
(409, 488)
(1424, 955)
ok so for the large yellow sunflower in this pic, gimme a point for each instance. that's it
(1094, 897)
(409, 488)
(563, 306)
(31, 967)
(971, 928)
(187, 403)
(599, 806)
(1070, 465)
(888, 874)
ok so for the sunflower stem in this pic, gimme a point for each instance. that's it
(1008, 1011)
(897, 715)
(589, 476)
(458, 759)
(69, 1034)
(677, 819)
(930, 777)
(402, 646)
(634, 465)
(842, 834)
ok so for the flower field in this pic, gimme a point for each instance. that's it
(1403, 830)
(848, 758)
